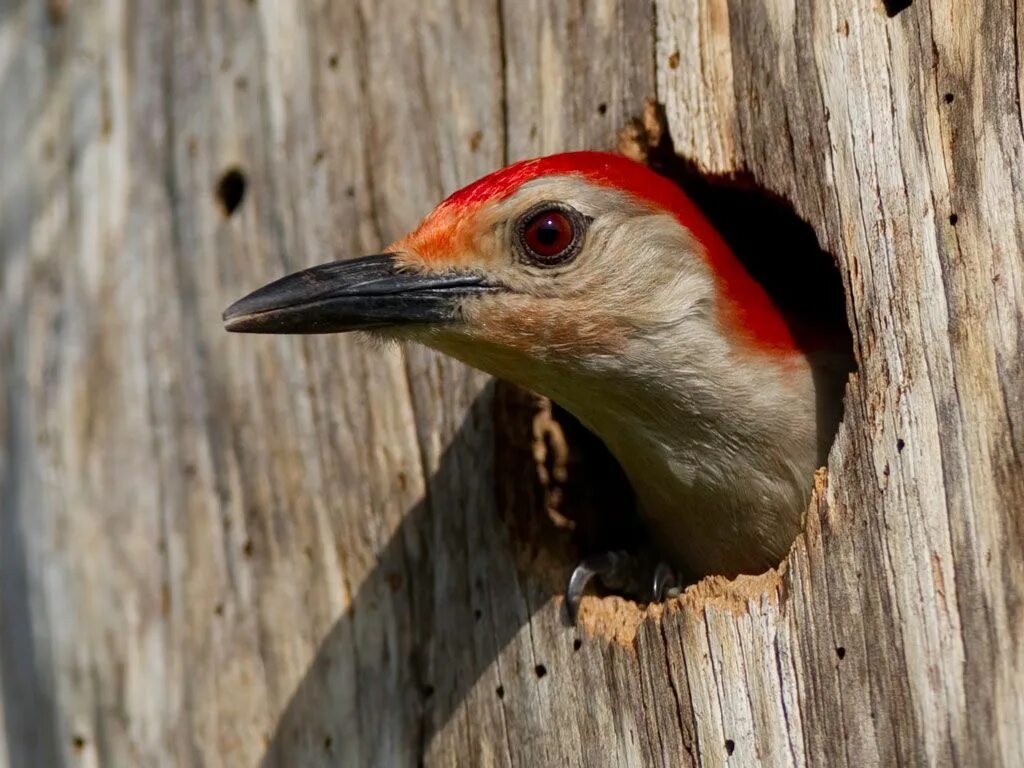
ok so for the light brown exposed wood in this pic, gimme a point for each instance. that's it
(224, 550)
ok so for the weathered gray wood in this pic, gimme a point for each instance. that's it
(222, 550)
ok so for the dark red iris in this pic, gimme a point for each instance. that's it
(549, 234)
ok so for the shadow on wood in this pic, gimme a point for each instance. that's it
(432, 650)
(29, 713)
(575, 499)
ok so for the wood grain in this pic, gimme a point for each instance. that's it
(224, 550)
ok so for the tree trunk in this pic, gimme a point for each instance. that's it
(229, 550)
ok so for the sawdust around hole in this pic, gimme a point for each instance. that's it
(618, 620)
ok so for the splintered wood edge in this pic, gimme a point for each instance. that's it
(618, 620)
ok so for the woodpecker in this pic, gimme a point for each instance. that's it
(591, 279)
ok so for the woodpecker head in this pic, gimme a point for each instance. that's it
(591, 279)
(584, 262)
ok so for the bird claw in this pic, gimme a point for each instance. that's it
(624, 573)
(605, 565)
(666, 583)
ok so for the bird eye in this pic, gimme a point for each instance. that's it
(550, 234)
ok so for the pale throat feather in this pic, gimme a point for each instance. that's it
(718, 481)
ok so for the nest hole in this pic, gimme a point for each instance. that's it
(590, 507)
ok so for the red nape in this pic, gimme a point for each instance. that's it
(753, 313)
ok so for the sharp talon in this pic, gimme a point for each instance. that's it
(581, 577)
(666, 582)
(622, 573)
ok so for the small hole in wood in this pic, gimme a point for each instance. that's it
(577, 644)
(730, 746)
(841, 653)
(78, 742)
(247, 548)
(953, 219)
(428, 691)
(602, 108)
(540, 670)
(948, 98)
(332, 61)
(500, 691)
(478, 614)
(900, 445)
(231, 190)
(673, 60)
(328, 743)
(893, 7)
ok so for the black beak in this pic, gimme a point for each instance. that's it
(359, 294)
